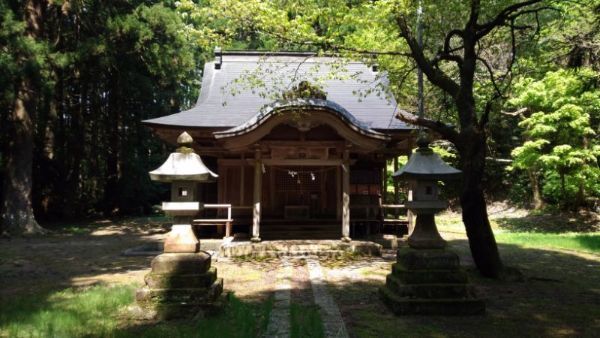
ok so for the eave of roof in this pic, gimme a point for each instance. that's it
(299, 105)
(216, 108)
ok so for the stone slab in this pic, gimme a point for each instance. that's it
(428, 291)
(428, 276)
(178, 281)
(445, 307)
(181, 263)
(198, 296)
(412, 259)
(328, 248)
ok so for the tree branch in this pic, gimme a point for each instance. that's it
(505, 15)
(441, 128)
(434, 75)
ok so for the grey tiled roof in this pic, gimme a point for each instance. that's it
(277, 106)
(248, 82)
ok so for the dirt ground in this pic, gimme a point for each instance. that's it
(559, 294)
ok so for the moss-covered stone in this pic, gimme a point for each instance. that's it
(432, 290)
(447, 307)
(174, 280)
(435, 259)
(152, 297)
(181, 263)
(428, 276)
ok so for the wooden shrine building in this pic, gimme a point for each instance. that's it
(290, 163)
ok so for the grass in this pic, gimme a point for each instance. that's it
(67, 313)
(547, 232)
(100, 311)
(305, 321)
(587, 242)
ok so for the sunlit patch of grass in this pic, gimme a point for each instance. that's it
(100, 311)
(239, 319)
(305, 321)
(588, 242)
(67, 313)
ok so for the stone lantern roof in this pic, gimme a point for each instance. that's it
(183, 165)
(425, 164)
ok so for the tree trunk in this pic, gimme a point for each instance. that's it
(479, 231)
(538, 202)
(17, 211)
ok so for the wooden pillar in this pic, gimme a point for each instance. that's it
(409, 197)
(396, 188)
(338, 192)
(256, 196)
(242, 181)
(346, 197)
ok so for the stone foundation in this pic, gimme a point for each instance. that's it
(429, 282)
(325, 248)
(180, 285)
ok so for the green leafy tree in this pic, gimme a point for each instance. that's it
(561, 149)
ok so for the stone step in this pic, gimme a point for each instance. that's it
(178, 281)
(428, 276)
(415, 306)
(181, 263)
(329, 248)
(147, 296)
(428, 291)
(436, 259)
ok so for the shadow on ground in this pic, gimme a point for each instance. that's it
(560, 296)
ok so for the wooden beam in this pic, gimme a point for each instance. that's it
(303, 162)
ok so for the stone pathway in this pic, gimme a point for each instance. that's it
(333, 323)
(279, 322)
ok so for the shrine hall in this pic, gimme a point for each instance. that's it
(300, 144)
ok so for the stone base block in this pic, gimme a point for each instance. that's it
(180, 303)
(148, 296)
(181, 263)
(433, 259)
(179, 281)
(428, 276)
(429, 282)
(421, 306)
(430, 290)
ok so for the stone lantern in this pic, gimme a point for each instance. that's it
(423, 171)
(184, 169)
(181, 282)
(427, 278)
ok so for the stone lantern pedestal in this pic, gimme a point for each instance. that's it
(182, 282)
(427, 278)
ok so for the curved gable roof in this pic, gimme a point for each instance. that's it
(225, 103)
(299, 105)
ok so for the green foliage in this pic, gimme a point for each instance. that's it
(304, 90)
(561, 144)
(98, 69)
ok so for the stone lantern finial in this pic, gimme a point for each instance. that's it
(185, 141)
(423, 140)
